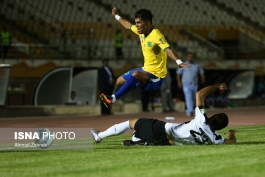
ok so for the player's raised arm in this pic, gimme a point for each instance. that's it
(175, 57)
(201, 94)
(125, 23)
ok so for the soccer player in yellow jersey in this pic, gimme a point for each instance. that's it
(155, 50)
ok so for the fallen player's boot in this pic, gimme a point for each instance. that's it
(134, 143)
(94, 133)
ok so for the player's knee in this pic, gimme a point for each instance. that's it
(136, 74)
(140, 75)
(120, 81)
(132, 123)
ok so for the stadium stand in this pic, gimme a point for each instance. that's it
(84, 29)
(252, 9)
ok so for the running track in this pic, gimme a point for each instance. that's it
(237, 117)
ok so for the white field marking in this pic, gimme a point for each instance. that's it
(254, 129)
(75, 125)
(46, 117)
(23, 125)
(242, 123)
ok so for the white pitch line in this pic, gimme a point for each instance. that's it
(23, 125)
(242, 123)
(75, 125)
(255, 129)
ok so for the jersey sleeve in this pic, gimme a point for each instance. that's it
(161, 41)
(218, 139)
(134, 29)
(200, 114)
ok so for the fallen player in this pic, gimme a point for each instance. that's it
(200, 130)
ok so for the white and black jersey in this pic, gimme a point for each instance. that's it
(197, 131)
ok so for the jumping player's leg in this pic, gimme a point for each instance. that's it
(114, 130)
(139, 77)
(120, 81)
(128, 81)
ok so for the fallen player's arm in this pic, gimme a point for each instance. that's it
(125, 23)
(175, 57)
(231, 137)
(203, 93)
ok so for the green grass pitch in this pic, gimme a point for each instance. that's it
(110, 158)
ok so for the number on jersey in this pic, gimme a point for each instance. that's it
(200, 137)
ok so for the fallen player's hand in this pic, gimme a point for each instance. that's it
(231, 133)
(114, 11)
(183, 65)
(222, 87)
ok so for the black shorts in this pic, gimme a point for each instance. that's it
(151, 130)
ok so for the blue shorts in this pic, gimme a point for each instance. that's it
(153, 84)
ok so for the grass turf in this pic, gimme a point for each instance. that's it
(110, 158)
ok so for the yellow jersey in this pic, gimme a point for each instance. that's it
(153, 48)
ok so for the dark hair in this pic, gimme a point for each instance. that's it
(105, 60)
(190, 53)
(144, 14)
(220, 121)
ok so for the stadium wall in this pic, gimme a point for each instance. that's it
(26, 74)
